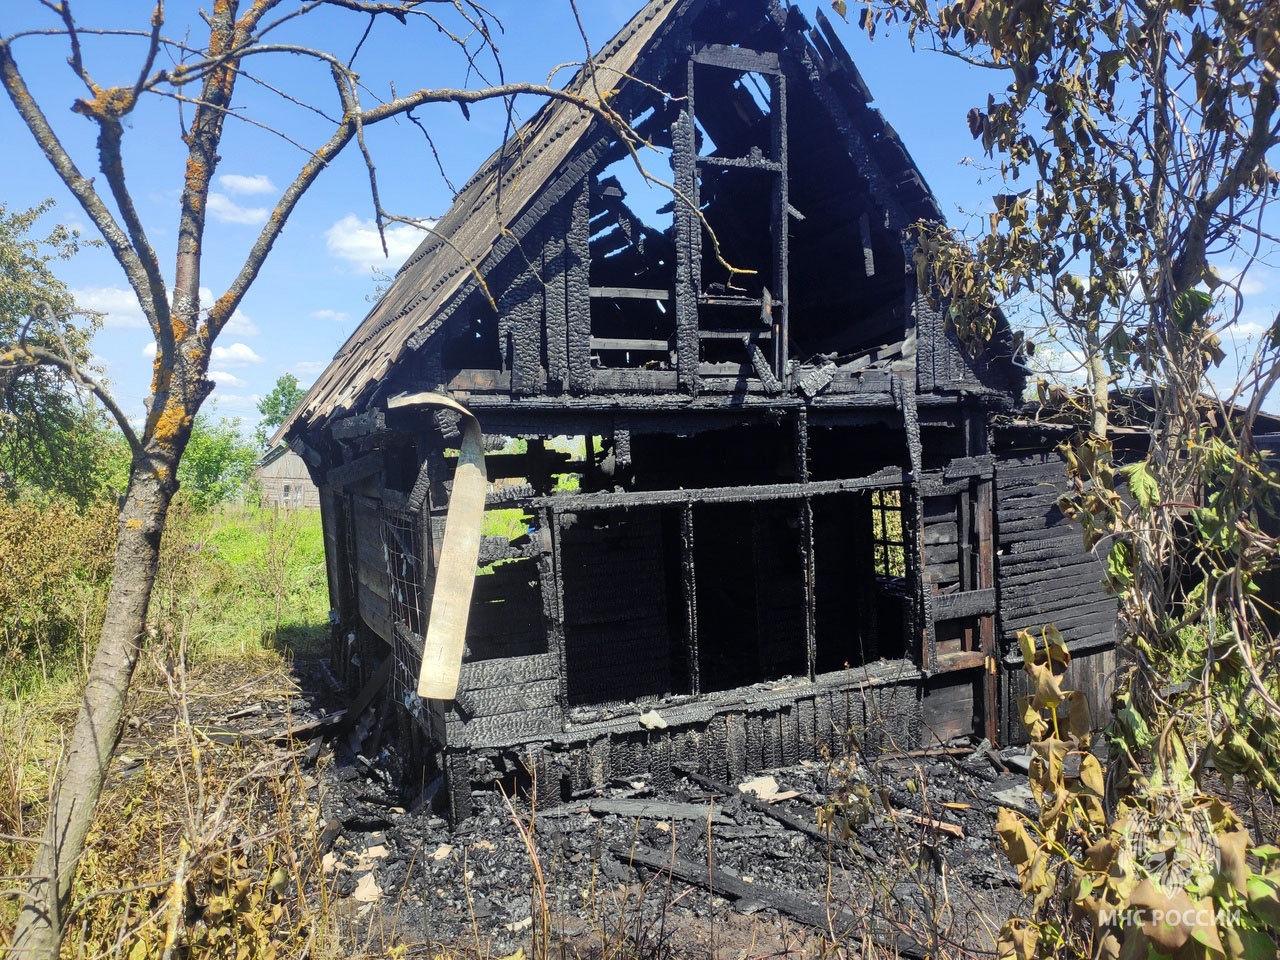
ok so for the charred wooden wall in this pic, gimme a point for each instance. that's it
(1045, 574)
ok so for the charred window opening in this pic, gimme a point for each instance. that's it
(472, 341)
(861, 599)
(887, 539)
(623, 632)
(507, 618)
(941, 443)
(750, 593)
(402, 548)
(506, 611)
(954, 568)
(739, 184)
(400, 467)
(846, 266)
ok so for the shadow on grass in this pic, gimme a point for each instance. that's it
(307, 640)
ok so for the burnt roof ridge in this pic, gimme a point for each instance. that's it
(469, 239)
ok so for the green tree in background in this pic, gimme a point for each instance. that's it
(218, 463)
(277, 405)
(53, 440)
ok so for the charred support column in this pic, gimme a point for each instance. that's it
(688, 226)
(904, 395)
(555, 275)
(689, 591)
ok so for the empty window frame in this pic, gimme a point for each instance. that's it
(861, 600)
(749, 569)
(889, 549)
(624, 618)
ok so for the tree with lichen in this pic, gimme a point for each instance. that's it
(1139, 146)
(204, 66)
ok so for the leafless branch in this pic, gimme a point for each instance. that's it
(80, 186)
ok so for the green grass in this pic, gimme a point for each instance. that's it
(243, 580)
(233, 582)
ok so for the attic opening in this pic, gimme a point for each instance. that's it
(472, 340)
(736, 176)
(632, 252)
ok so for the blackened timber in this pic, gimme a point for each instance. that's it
(507, 730)
(510, 698)
(868, 254)
(736, 58)
(360, 425)
(888, 477)
(631, 293)
(639, 346)
(728, 884)
(760, 806)
(810, 586)
(551, 586)
(779, 225)
(520, 309)
(741, 163)
(481, 674)
(689, 594)
(465, 381)
(650, 810)
(555, 297)
(970, 603)
(357, 469)
(578, 289)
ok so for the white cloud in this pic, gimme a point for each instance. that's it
(224, 379)
(238, 183)
(356, 241)
(311, 367)
(118, 303)
(235, 403)
(225, 210)
(239, 325)
(335, 315)
(235, 355)
(149, 350)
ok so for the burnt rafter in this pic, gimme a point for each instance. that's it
(739, 474)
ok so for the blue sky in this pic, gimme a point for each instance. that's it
(313, 290)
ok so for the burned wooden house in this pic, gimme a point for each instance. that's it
(745, 490)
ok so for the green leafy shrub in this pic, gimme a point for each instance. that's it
(55, 565)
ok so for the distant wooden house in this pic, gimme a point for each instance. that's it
(801, 506)
(285, 480)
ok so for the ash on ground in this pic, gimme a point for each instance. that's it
(898, 850)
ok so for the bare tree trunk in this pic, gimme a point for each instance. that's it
(1099, 380)
(41, 923)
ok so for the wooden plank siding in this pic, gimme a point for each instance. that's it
(1045, 575)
